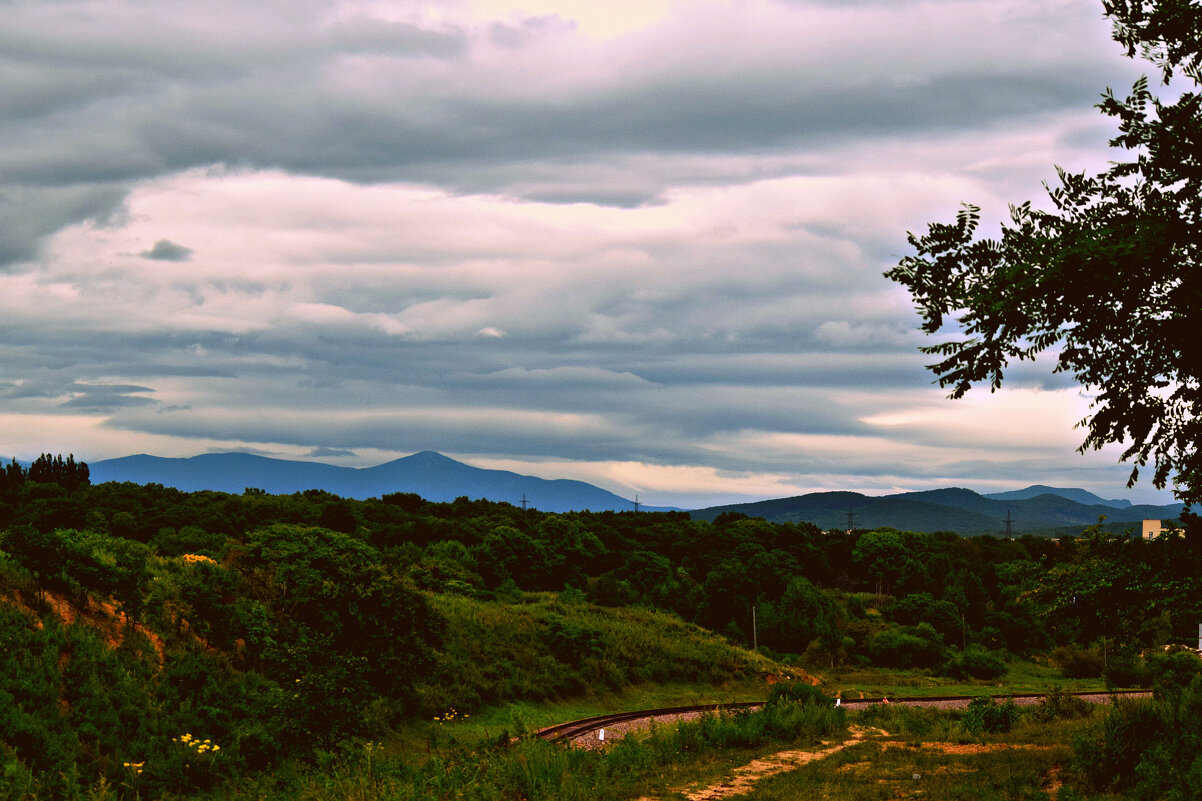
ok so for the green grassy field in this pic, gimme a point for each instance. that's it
(1022, 677)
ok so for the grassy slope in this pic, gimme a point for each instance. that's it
(543, 650)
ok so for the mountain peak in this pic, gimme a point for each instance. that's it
(1072, 493)
(430, 474)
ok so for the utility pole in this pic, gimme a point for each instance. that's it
(755, 637)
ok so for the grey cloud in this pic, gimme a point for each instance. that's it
(228, 99)
(521, 33)
(166, 250)
(78, 396)
(383, 37)
(27, 214)
(663, 361)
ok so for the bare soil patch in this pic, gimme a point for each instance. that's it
(743, 778)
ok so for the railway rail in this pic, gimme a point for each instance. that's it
(596, 725)
(575, 728)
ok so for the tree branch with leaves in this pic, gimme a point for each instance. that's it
(1108, 279)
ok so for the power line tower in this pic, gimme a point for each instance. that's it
(636, 503)
(523, 501)
(851, 519)
(1009, 533)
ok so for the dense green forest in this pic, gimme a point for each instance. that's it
(191, 639)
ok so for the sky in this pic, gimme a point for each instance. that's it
(638, 243)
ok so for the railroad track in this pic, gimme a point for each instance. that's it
(566, 732)
(575, 728)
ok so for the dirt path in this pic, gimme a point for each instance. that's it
(744, 777)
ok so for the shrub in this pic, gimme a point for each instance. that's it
(1124, 668)
(986, 715)
(1078, 663)
(1059, 705)
(1150, 749)
(901, 649)
(797, 691)
(977, 662)
(16, 780)
(1171, 672)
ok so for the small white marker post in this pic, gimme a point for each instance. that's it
(601, 735)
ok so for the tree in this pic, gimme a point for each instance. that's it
(1111, 274)
(53, 470)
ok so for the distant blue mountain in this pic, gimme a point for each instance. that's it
(431, 475)
(1073, 494)
(953, 509)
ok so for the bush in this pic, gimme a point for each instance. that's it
(977, 662)
(1059, 705)
(1124, 668)
(797, 691)
(1078, 663)
(986, 715)
(16, 780)
(896, 648)
(1150, 749)
(1171, 672)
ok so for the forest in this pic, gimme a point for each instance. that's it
(161, 642)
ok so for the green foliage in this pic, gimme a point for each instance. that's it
(984, 714)
(922, 607)
(1060, 705)
(797, 692)
(251, 625)
(1151, 750)
(917, 646)
(189, 539)
(1171, 671)
(69, 474)
(1079, 663)
(976, 662)
(536, 647)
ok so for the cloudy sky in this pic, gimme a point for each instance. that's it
(635, 242)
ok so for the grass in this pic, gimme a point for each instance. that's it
(418, 740)
(666, 757)
(927, 754)
(545, 649)
(466, 761)
(870, 772)
(1023, 677)
(930, 757)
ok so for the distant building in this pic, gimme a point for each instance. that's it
(1152, 528)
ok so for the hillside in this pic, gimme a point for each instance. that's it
(952, 509)
(1072, 493)
(142, 622)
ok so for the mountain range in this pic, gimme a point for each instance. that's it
(429, 474)
(1036, 509)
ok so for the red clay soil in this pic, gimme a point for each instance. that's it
(103, 616)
